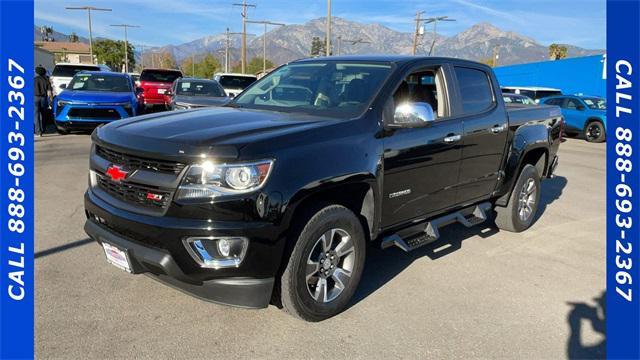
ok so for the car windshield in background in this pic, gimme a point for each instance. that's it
(165, 76)
(71, 70)
(99, 82)
(544, 93)
(325, 88)
(520, 100)
(236, 82)
(595, 103)
(199, 88)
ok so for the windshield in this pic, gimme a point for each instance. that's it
(595, 103)
(199, 88)
(327, 88)
(70, 70)
(99, 82)
(236, 82)
(522, 100)
(166, 76)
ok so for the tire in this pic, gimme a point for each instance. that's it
(302, 295)
(594, 132)
(515, 217)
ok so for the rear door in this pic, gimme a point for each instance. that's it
(573, 111)
(421, 164)
(485, 126)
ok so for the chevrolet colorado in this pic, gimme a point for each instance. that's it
(274, 197)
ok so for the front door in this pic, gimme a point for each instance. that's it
(421, 164)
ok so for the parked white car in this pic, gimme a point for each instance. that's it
(233, 83)
(64, 72)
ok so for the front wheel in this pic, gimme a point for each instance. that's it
(520, 212)
(325, 266)
(594, 132)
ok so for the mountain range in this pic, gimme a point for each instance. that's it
(292, 42)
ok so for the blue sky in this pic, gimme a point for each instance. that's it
(578, 22)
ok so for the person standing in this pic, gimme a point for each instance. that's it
(42, 91)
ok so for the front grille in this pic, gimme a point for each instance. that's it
(136, 162)
(94, 113)
(135, 194)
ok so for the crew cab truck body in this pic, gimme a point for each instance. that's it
(276, 195)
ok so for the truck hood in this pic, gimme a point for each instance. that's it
(95, 96)
(215, 132)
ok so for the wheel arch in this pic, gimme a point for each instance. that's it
(537, 156)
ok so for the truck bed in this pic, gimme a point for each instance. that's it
(521, 115)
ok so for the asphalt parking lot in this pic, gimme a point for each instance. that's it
(477, 292)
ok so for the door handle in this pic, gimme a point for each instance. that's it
(498, 129)
(452, 138)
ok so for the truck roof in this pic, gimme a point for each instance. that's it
(398, 59)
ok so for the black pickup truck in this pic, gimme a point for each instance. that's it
(274, 197)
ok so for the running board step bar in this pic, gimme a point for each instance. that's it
(424, 233)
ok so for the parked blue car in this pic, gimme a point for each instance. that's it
(93, 98)
(583, 115)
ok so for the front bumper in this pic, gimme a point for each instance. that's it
(161, 254)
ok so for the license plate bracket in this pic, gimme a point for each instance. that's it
(117, 257)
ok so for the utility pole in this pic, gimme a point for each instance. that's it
(89, 8)
(244, 33)
(264, 40)
(226, 48)
(416, 33)
(142, 56)
(435, 20)
(352, 42)
(126, 44)
(328, 28)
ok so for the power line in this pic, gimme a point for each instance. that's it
(435, 20)
(226, 48)
(126, 44)
(244, 6)
(264, 40)
(352, 42)
(89, 9)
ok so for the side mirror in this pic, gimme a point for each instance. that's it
(580, 108)
(413, 115)
(63, 86)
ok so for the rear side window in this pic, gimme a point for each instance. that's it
(556, 101)
(166, 76)
(475, 90)
(71, 70)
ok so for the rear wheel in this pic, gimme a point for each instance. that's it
(325, 266)
(594, 132)
(520, 212)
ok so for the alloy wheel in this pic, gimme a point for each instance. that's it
(330, 265)
(527, 199)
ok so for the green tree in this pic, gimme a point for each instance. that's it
(204, 68)
(557, 52)
(318, 47)
(111, 53)
(254, 66)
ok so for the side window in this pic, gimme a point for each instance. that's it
(423, 86)
(572, 104)
(475, 90)
(555, 101)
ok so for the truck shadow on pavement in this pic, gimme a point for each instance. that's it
(594, 316)
(383, 265)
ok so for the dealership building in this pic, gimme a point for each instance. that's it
(581, 75)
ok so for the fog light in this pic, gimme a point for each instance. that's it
(217, 252)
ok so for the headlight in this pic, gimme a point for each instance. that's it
(209, 180)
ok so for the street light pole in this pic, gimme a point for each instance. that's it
(264, 40)
(126, 44)
(89, 8)
(226, 48)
